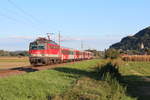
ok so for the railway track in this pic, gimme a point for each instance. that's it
(6, 72)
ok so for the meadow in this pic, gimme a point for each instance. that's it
(11, 62)
(41, 85)
(137, 79)
(80, 81)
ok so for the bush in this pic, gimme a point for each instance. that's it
(105, 88)
(110, 69)
(112, 53)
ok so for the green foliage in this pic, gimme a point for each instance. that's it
(78, 81)
(110, 69)
(112, 53)
(90, 89)
(43, 84)
(4, 53)
(19, 53)
(13, 53)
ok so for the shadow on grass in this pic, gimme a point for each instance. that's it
(24, 69)
(91, 74)
(138, 86)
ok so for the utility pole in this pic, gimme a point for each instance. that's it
(59, 43)
(81, 45)
(59, 38)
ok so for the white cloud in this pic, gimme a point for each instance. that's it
(22, 42)
(65, 39)
(21, 37)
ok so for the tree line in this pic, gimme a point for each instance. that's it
(13, 53)
(97, 54)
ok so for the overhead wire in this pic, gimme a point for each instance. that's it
(15, 13)
(10, 18)
(16, 20)
(23, 11)
(28, 18)
(31, 19)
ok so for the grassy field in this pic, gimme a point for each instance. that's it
(137, 78)
(10, 62)
(43, 84)
(79, 81)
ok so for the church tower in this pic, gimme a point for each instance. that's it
(142, 46)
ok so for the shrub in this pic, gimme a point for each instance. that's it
(112, 53)
(110, 69)
(106, 88)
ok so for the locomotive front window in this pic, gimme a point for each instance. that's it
(37, 47)
(33, 47)
(41, 47)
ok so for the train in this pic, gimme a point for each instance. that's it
(45, 51)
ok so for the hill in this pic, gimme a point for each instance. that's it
(138, 41)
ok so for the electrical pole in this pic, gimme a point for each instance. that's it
(59, 38)
(59, 43)
(81, 45)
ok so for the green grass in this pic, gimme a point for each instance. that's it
(90, 89)
(78, 81)
(101, 84)
(135, 74)
(43, 84)
(143, 68)
(87, 89)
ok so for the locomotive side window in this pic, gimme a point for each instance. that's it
(41, 47)
(71, 53)
(53, 47)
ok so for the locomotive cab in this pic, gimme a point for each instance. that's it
(37, 51)
(43, 52)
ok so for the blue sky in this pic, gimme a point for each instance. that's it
(99, 23)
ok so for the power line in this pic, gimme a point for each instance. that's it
(16, 20)
(23, 11)
(10, 18)
(17, 14)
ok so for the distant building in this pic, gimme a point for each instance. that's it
(142, 46)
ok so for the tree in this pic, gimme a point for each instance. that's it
(112, 53)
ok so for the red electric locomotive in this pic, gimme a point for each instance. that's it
(44, 51)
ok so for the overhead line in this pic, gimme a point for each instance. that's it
(24, 18)
(10, 18)
(15, 20)
(23, 11)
